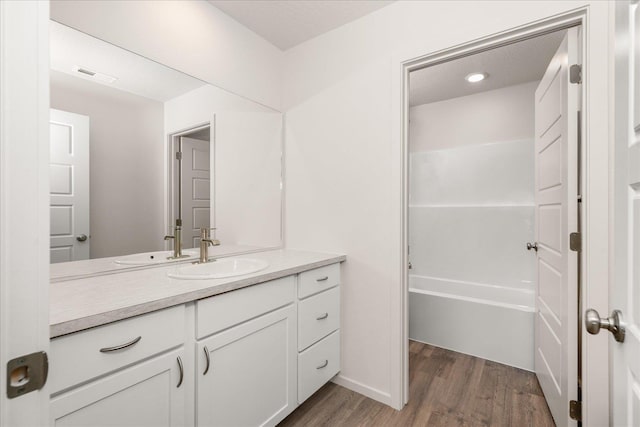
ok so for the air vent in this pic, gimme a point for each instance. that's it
(94, 75)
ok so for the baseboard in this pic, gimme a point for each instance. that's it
(365, 390)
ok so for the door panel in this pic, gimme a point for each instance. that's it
(625, 292)
(195, 189)
(556, 105)
(69, 186)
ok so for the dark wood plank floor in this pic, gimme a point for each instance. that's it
(446, 389)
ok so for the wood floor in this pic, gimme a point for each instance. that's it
(446, 389)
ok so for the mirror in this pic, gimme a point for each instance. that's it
(118, 122)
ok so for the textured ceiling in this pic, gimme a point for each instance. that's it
(509, 65)
(288, 23)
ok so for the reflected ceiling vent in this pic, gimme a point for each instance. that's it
(94, 75)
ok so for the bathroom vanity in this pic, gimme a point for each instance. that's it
(143, 348)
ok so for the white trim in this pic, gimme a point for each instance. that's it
(595, 400)
(365, 390)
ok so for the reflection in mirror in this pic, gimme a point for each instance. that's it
(136, 146)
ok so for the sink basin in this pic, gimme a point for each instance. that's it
(150, 258)
(227, 267)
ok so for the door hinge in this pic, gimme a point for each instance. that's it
(575, 410)
(575, 242)
(575, 74)
(27, 373)
(178, 155)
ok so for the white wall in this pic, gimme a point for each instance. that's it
(126, 164)
(344, 173)
(191, 36)
(246, 186)
(500, 115)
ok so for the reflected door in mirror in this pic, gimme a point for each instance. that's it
(69, 186)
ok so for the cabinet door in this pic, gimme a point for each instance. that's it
(146, 394)
(246, 375)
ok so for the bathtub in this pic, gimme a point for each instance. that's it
(487, 321)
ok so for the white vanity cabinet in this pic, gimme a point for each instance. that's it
(246, 357)
(121, 374)
(318, 328)
(246, 371)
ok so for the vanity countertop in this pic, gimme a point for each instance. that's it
(87, 302)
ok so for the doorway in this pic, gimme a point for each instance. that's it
(493, 196)
(189, 195)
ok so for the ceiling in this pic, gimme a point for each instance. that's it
(288, 23)
(135, 74)
(509, 65)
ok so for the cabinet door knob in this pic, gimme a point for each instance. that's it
(322, 279)
(181, 372)
(324, 316)
(324, 365)
(208, 359)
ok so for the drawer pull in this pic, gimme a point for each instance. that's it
(121, 346)
(181, 372)
(208, 358)
(322, 279)
(324, 316)
(324, 365)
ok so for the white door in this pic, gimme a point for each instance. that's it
(24, 204)
(69, 186)
(556, 106)
(625, 292)
(195, 190)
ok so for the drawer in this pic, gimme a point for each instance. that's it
(77, 357)
(317, 280)
(225, 310)
(317, 365)
(318, 316)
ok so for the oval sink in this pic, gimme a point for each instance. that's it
(158, 257)
(227, 267)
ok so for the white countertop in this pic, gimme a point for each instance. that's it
(87, 302)
(98, 266)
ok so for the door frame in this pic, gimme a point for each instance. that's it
(170, 150)
(594, 226)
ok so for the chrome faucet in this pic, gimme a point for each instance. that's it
(205, 242)
(177, 241)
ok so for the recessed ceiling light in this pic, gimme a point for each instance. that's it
(476, 77)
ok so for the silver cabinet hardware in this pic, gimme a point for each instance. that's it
(81, 238)
(324, 365)
(322, 279)
(324, 316)
(27, 373)
(208, 358)
(533, 246)
(181, 372)
(613, 323)
(121, 346)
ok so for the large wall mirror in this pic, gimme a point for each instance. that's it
(136, 145)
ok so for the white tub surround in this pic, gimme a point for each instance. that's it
(206, 352)
(93, 301)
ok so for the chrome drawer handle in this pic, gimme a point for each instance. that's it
(324, 365)
(181, 372)
(322, 279)
(122, 346)
(324, 316)
(208, 358)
